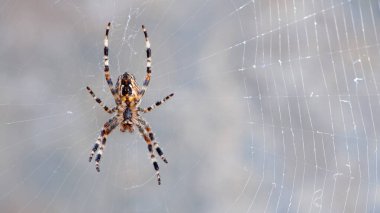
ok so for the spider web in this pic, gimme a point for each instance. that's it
(276, 106)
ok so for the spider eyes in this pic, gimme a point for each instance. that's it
(126, 90)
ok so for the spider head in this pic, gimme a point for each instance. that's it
(126, 85)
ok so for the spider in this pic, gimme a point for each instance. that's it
(126, 113)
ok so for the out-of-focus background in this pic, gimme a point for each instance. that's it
(276, 106)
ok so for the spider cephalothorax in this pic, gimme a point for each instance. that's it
(126, 114)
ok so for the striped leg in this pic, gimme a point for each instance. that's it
(150, 149)
(106, 108)
(151, 137)
(158, 103)
(96, 145)
(106, 64)
(101, 141)
(148, 62)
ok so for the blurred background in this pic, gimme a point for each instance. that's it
(276, 106)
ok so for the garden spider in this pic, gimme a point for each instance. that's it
(127, 95)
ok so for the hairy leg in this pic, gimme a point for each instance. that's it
(106, 108)
(150, 149)
(101, 141)
(148, 62)
(158, 103)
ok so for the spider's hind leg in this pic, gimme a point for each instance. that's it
(101, 141)
(150, 149)
(151, 137)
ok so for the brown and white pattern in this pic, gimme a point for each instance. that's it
(127, 95)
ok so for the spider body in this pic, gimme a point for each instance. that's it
(127, 113)
(128, 91)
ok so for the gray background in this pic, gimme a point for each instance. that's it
(276, 106)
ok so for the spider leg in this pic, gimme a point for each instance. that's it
(106, 64)
(148, 62)
(150, 149)
(106, 108)
(101, 141)
(151, 137)
(158, 103)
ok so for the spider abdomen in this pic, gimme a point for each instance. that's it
(127, 114)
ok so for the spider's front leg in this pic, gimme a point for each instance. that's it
(101, 141)
(107, 65)
(148, 62)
